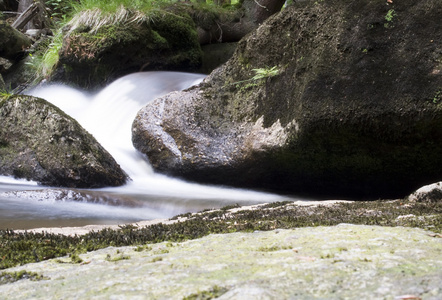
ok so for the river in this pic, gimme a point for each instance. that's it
(108, 116)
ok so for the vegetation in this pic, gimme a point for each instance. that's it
(213, 293)
(70, 16)
(260, 73)
(7, 277)
(25, 247)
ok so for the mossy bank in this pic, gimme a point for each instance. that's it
(26, 247)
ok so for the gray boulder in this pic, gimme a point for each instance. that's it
(331, 98)
(40, 142)
(428, 193)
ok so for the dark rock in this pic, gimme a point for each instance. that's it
(21, 75)
(12, 42)
(40, 142)
(93, 56)
(8, 5)
(350, 105)
(214, 55)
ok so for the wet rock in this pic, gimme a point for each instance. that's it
(12, 42)
(323, 98)
(39, 142)
(428, 193)
(65, 195)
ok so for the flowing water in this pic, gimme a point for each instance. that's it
(108, 115)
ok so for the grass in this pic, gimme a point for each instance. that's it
(69, 16)
(25, 247)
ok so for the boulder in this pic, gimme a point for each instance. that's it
(94, 52)
(428, 193)
(40, 142)
(12, 42)
(332, 98)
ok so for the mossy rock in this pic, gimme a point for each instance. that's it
(165, 41)
(352, 107)
(12, 42)
(39, 142)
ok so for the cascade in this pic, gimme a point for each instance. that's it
(108, 116)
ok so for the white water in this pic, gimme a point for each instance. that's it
(108, 115)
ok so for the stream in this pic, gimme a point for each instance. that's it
(108, 116)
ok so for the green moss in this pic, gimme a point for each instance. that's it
(9, 277)
(119, 256)
(213, 293)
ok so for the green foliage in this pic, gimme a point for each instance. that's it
(437, 97)
(59, 8)
(261, 73)
(390, 15)
(265, 73)
(389, 18)
(5, 95)
(44, 62)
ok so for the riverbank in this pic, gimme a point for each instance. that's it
(333, 262)
(365, 250)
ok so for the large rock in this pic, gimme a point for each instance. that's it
(350, 105)
(95, 52)
(12, 42)
(40, 142)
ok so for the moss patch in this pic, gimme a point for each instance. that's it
(8, 277)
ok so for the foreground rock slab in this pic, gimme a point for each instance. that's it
(344, 261)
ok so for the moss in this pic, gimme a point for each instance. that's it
(213, 293)
(9, 277)
(21, 248)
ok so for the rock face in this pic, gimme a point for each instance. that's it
(12, 42)
(335, 97)
(94, 54)
(39, 142)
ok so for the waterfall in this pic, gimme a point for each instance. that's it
(108, 116)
